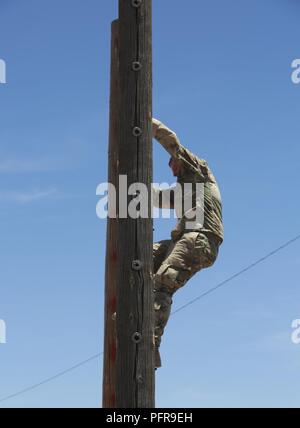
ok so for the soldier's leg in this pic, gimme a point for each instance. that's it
(189, 255)
(160, 252)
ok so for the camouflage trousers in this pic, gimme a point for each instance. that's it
(175, 263)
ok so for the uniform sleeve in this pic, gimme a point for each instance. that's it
(169, 140)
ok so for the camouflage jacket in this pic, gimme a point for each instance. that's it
(195, 170)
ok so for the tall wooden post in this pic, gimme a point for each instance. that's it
(109, 364)
(135, 348)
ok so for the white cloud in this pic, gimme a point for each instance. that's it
(26, 197)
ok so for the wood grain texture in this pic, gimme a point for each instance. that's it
(135, 362)
(109, 361)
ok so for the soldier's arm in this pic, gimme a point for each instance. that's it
(166, 137)
(169, 140)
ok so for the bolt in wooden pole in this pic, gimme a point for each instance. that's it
(135, 323)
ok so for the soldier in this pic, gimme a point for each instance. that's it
(190, 250)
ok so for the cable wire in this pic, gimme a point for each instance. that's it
(50, 379)
(201, 296)
(241, 272)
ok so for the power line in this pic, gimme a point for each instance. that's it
(201, 296)
(50, 379)
(241, 272)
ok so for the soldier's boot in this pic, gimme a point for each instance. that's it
(162, 308)
(157, 359)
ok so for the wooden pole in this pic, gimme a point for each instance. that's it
(109, 364)
(135, 323)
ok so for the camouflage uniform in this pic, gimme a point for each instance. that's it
(178, 259)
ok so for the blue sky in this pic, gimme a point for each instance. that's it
(222, 81)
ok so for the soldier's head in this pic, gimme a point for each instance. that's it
(175, 166)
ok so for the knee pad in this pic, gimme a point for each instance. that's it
(171, 278)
